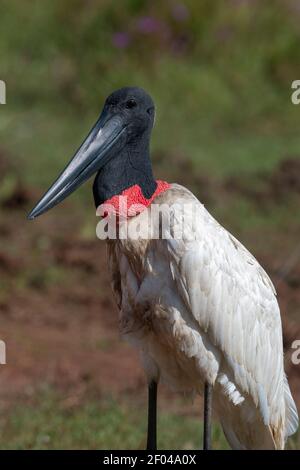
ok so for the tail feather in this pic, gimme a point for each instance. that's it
(291, 414)
(243, 428)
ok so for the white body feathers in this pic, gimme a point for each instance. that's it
(201, 308)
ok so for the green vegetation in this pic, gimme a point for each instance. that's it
(220, 76)
(52, 424)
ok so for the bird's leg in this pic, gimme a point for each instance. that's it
(152, 414)
(208, 392)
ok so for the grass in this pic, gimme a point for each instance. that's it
(51, 424)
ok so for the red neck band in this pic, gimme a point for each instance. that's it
(130, 202)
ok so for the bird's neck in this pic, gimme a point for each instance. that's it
(128, 177)
(131, 166)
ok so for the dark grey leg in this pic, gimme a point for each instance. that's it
(208, 392)
(152, 415)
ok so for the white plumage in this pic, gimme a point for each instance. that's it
(201, 308)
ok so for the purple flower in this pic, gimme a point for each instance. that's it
(121, 40)
(180, 12)
(147, 24)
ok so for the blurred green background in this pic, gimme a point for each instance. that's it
(220, 74)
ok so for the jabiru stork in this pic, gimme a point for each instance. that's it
(200, 309)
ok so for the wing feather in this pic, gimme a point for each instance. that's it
(234, 302)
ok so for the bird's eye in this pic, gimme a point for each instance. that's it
(131, 103)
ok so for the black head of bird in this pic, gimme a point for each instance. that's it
(117, 149)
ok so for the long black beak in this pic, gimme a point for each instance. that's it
(105, 140)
